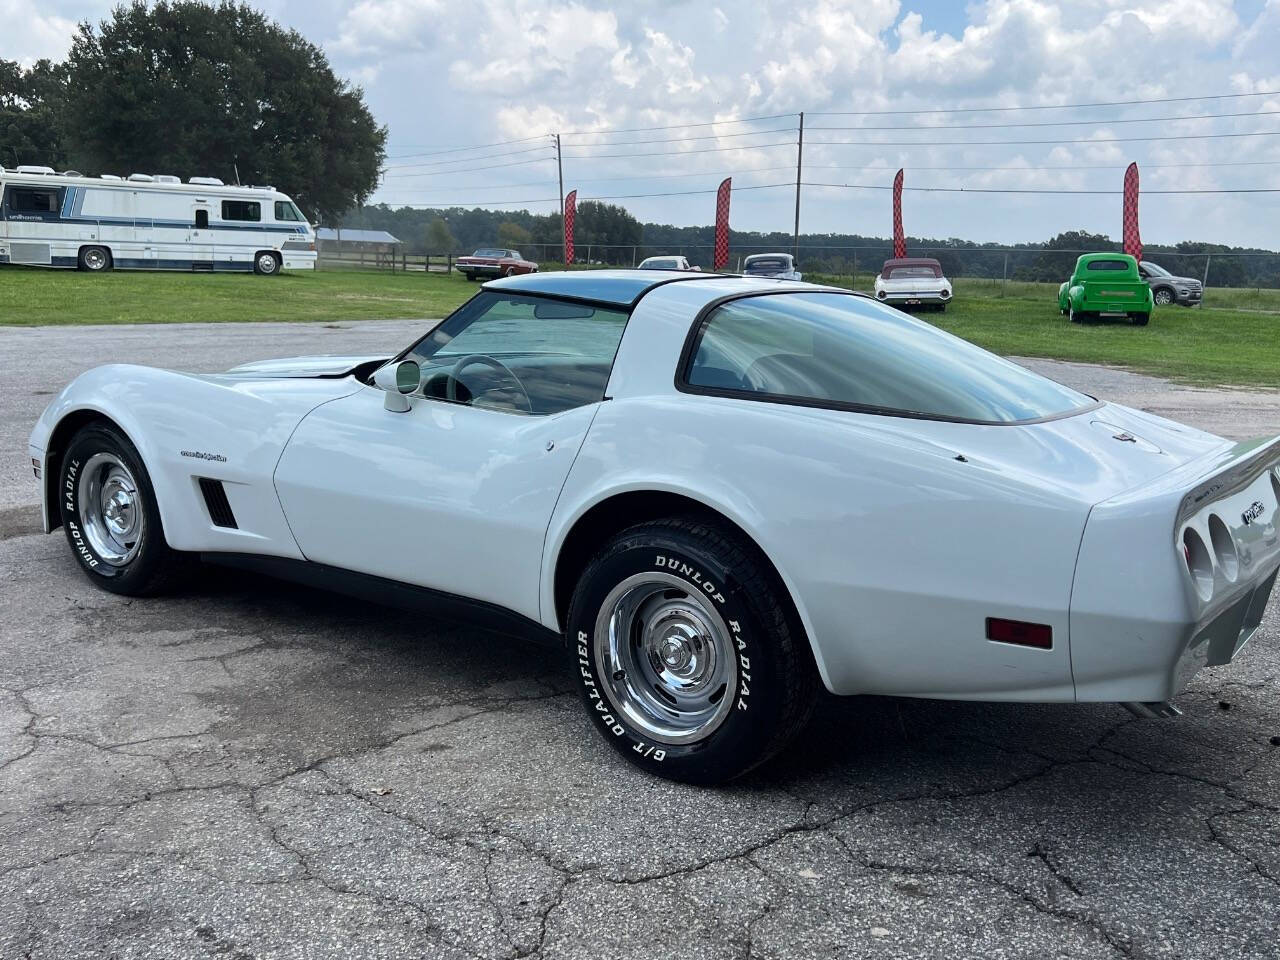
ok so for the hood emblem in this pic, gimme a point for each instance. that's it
(1125, 438)
(1253, 513)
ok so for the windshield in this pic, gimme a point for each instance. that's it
(906, 273)
(1155, 268)
(846, 352)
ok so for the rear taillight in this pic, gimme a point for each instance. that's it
(1020, 633)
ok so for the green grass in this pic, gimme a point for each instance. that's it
(32, 296)
(1234, 340)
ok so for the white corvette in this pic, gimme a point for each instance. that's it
(719, 492)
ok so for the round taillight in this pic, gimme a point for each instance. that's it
(1199, 563)
(1224, 548)
(880, 294)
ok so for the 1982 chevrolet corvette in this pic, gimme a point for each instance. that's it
(718, 492)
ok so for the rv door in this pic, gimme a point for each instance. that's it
(201, 237)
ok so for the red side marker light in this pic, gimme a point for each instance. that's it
(1019, 633)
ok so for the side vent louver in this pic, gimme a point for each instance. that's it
(215, 499)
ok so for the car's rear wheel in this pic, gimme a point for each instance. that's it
(110, 516)
(686, 652)
(1139, 319)
(509, 272)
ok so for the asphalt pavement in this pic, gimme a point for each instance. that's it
(252, 769)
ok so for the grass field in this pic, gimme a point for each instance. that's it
(1235, 339)
(32, 296)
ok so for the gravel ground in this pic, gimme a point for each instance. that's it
(257, 770)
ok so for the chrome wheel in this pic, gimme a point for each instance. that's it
(110, 509)
(267, 263)
(95, 258)
(1163, 298)
(666, 657)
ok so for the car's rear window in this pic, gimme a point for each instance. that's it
(771, 265)
(907, 273)
(848, 352)
(1107, 265)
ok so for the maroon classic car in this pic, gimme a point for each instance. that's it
(491, 262)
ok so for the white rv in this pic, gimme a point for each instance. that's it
(149, 223)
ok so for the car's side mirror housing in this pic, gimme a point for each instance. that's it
(397, 381)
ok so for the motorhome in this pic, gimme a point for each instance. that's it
(146, 222)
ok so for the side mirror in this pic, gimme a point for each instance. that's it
(397, 381)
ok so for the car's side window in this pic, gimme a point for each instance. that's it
(521, 354)
(849, 353)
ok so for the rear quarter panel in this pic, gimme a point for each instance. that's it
(893, 551)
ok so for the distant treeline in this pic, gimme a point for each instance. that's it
(609, 234)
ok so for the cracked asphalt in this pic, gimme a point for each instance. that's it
(252, 769)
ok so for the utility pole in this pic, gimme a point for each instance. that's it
(795, 243)
(560, 173)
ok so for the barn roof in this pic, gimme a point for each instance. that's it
(355, 236)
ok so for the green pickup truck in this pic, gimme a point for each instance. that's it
(1106, 285)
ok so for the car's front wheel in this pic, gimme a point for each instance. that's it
(1163, 297)
(266, 264)
(686, 653)
(110, 517)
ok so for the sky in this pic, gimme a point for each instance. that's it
(483, 73)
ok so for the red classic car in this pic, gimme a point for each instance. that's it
(494, 262)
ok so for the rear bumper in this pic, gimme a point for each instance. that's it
(910, 299)
(479, 269)
(1141, 624)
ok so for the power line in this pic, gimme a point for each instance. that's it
(1061, 123)
(1066, 166)
(709, 136)
(479, 203)
(505, 186)
(488, 156)
(687, 193)
(1009, 143)
(478, 146)
(676, 153)
(674, 126)
(876, 186)
(1047, 106)
(440, 173)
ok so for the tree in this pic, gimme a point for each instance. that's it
(30, 121)
(439, 239)
(512, 235)
(189, 88)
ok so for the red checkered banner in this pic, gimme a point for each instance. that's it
(721, 258)
(899, 241)
(1129, 227)
(570, 214)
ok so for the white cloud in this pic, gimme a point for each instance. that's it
(443, 75)
(32, 33)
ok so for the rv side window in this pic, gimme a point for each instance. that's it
(241, 210)
(32, 200)
(285, 210)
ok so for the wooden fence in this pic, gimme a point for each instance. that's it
(378, 260)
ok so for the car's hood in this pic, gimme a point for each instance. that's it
(300, 367)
